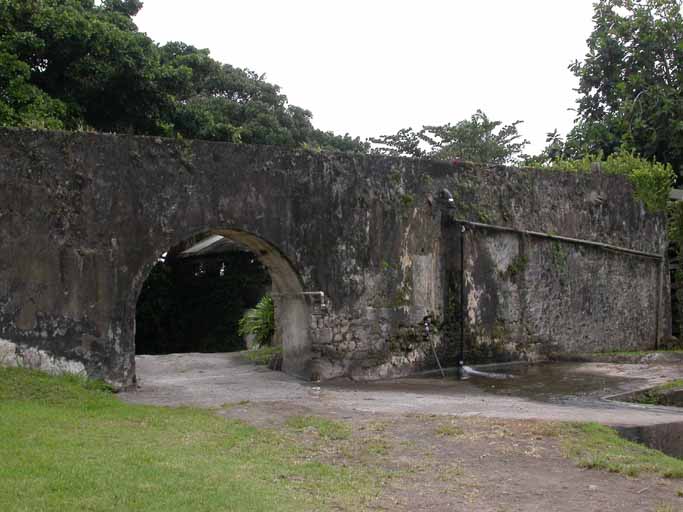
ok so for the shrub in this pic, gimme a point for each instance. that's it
(259, 322)
(651, 180)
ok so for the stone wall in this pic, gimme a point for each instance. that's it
(84, 216)
(533, 297)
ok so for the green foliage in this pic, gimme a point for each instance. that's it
(127, 7)
(631, 82)
(81, 64)
(22, 103)
(517, 266)
(405, 142)
(216, 101)
(84, 65)
(596, 446)
(65, 447)
(407, 201)
(557, 148)
(476, 139)
(259, 321)
(651, 180)
(329, 141)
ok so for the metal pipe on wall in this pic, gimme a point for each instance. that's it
(464, 224)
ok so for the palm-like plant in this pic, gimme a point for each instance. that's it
(259, 321)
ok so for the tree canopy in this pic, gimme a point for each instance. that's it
(478, 139)
(81, 64)
(630, 84)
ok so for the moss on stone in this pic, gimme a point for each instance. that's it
(515, 268)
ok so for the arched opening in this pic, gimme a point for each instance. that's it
(197, 291)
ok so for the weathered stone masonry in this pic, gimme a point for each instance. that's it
(84, 216)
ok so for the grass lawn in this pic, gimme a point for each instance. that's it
(326, 429)
(68, 445)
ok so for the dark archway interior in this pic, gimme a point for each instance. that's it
(195, 295)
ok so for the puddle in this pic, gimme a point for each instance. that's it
(665, 437)
(560, 383)
(552, 382)
(557, 383)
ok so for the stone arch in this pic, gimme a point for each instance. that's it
(292, 313)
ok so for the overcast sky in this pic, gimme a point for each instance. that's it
(372, 67)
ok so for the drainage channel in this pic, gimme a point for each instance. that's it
(665, 437)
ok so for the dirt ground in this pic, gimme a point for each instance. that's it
(484, 445)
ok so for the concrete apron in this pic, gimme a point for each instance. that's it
(211, 380)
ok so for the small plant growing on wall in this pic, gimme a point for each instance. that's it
(259, 321)
(516, 267)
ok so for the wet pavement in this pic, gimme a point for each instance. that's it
(562, 392)
(557, 383)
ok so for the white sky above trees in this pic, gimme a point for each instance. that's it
(372, 67)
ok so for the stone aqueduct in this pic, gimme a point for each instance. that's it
(552, 262)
